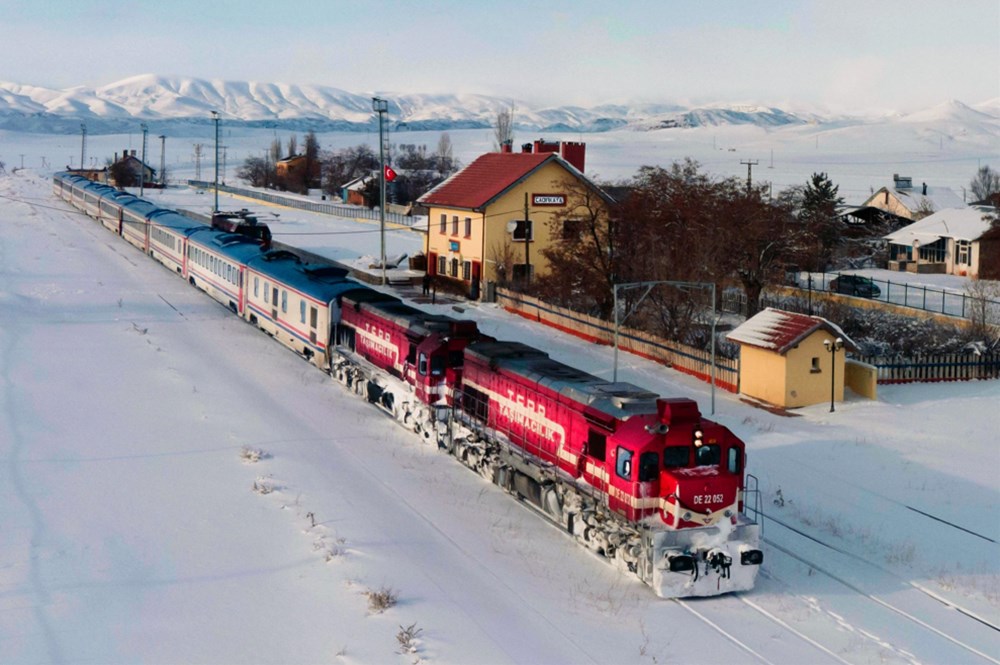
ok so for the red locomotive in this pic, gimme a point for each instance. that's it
(422, 350)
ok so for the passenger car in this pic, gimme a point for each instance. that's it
(855, 285)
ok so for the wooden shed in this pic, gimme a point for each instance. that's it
(786, 359)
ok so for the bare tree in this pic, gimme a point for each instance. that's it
(985, 184)
(444, 157)
(293, 146)
(503, 130)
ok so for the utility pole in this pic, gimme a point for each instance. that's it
(215, 119)
(381, 107)
(527, 242)
(197, 161)
(142, 167)
(163, 152)
(750, 164)
(83, 144)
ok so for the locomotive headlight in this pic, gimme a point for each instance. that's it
(698, 434)
(728, 513)
(686, 517)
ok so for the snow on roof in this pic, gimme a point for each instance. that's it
(779, 330)
(914, 198)
(966, 223)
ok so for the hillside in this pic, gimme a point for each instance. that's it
(173, 101)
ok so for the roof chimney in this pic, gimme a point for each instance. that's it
(507, 147)
(526, 147)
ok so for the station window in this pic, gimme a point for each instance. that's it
(442, 265)
(454, 225)
(468, 227)
(444, 224)
(467, 270)
(815, 369)
(454, 267)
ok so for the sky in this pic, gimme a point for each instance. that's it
(848, 56)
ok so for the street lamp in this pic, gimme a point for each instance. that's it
(381, 107)
(215, 119)
(833, 347)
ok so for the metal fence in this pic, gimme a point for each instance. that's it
(929, 299)
(339, 210)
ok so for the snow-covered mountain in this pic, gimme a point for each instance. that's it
(169, 101)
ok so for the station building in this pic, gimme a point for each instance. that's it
(490, 221)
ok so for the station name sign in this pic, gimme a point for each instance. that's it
(548, 199)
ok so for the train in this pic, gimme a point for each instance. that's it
(643, 480)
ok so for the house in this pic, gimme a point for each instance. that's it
(904, 200)
(490, 221)
(950, 241)
(136, 166)
(297, 169)
(786, 358)
(96, 175)
(353, 192)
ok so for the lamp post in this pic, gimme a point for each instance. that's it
(833, 347)
(684, 286)
(215, 119)
(381, 107)
(142, 167)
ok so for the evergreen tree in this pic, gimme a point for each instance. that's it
(820, 200)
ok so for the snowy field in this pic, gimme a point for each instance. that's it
(132, 531)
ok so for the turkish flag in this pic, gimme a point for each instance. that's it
(390, 175)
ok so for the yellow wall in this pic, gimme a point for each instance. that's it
(789, 380)
(862, 378)
(483, 244)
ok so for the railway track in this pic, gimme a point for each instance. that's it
(908, 612)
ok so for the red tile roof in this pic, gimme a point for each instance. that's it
(779, 331)
(485, 179)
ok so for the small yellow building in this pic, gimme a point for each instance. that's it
(491, 221)
(791, 360)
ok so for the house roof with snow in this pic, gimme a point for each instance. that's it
(490, 176)
(965, 223)
(780, 331)
(918, 197)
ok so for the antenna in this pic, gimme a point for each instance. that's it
(83, 144)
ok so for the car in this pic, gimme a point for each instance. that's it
(855, 285)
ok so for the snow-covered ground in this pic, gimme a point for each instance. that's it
(131, 531)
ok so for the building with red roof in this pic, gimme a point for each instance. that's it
(490, 221)
(786, 358)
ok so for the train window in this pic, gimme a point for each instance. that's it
(649, 467)
(313, 316)
(256, 287)
(411, 355)
(267, 293)
(624, 464)
(284, 301)
(456, 359)
(734, 460)
(274, 296)
(675, 456)
(708, 454)
(437, 365)
(302, 311)
(597, 445)
(422, 365)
